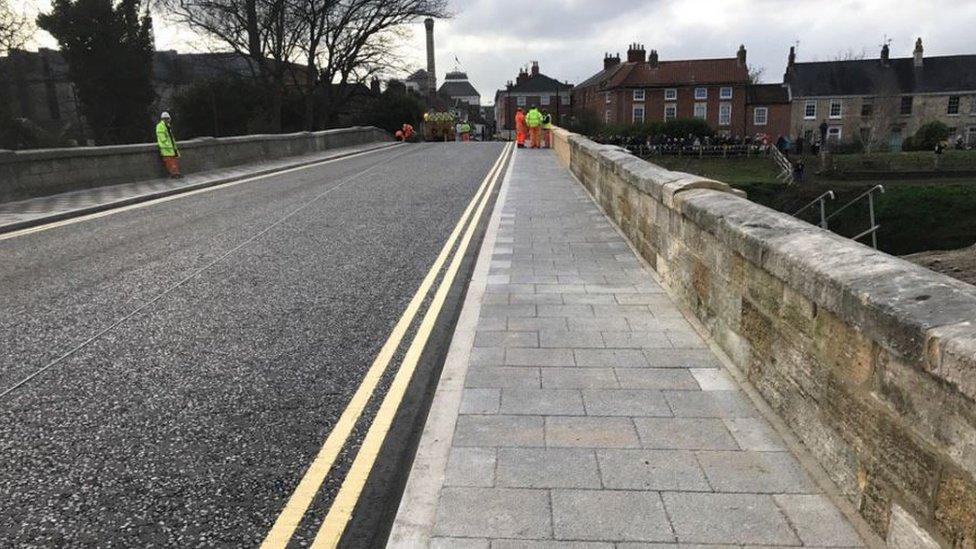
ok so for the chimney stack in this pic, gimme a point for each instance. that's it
(522, 76)
(374, 86)
(653, 60)
(535, 68)
(885, 55)
(636, 53)
(610, 61)
(918, 53)
(431, 74)
(741, 55)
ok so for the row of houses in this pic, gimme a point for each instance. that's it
(878, 102)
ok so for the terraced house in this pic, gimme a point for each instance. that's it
(644, 89)
(880, 102)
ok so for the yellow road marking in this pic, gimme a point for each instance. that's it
(297, 505)
(345, 501)
(153, 202)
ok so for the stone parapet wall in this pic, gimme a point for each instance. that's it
(871, 360)
(31, 173)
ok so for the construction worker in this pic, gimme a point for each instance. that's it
(465, 131)
(533, 119)
(167, 146)
(547, 128)
(520, 128)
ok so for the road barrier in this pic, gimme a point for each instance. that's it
(869, 359)
(42, 172)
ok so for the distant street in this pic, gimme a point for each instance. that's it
(190, 357)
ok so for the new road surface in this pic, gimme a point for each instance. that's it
(204, 370)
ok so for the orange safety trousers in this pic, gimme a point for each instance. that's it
(534, 136)
(172, 164)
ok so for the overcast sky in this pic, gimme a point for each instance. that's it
(493, 38)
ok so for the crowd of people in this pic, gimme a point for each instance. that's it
(690, 144)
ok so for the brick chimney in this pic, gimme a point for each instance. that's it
(636, 53)
(374, 86)
(431, 72)
(535, 68)
(918, 53)
(610, 61)
(653, 60)
(741, 55)
(885, 55)
(522, 76)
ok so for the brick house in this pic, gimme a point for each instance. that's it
(645, 89)
(531, 89)
(767, 110)
(880, 102)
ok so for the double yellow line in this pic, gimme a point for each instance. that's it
(344, 503)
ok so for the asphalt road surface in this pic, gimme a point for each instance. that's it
(190, 357)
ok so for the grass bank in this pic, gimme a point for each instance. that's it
(915, 215)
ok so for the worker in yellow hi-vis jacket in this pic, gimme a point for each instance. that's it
(167, 145)
(533, 119)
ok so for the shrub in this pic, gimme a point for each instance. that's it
(927, 136)
(683, 127)
(218, 108)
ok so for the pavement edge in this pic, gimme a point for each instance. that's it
(415, 516)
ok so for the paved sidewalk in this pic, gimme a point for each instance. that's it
(24, 213)
(593, 415)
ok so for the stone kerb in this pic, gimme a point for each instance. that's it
(870, 359)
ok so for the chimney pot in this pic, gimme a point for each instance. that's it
(610, 61)
(741, 55)
(636, 53)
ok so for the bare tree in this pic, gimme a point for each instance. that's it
(756, 74)
(16, 28)
(266, 32)
(347, 41)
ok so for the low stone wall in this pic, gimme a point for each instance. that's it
(871, 360)
(26, 174)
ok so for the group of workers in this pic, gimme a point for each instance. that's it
(537, 124)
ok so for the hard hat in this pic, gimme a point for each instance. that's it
(164, 115)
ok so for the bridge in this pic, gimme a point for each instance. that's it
(358, 343)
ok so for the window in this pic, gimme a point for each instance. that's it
(606, 117)
(760, 116)
(671, 94)
(725, 92)
(810, 110)
(607, 99)
(833, 133)
(835, 108)
(953, 107)
(670, 112)
(700, 110)
(906, 105)
(701, 93)
(638, 95)
(638, 114)
(867, 107)
(724, 114)
(544, 99)
(865, 135)
(520, 101)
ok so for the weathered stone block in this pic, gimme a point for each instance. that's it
(955, 510)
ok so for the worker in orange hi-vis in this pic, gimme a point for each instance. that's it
(533, 119)
(520, 128)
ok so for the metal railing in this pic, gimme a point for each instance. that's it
(785, 166)
(821, 201)
(873, 230)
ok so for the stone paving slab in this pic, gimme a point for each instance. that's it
(594, 416)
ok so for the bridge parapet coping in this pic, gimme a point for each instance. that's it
(870, 359)
(41, 172)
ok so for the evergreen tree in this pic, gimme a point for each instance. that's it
(109, 51)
